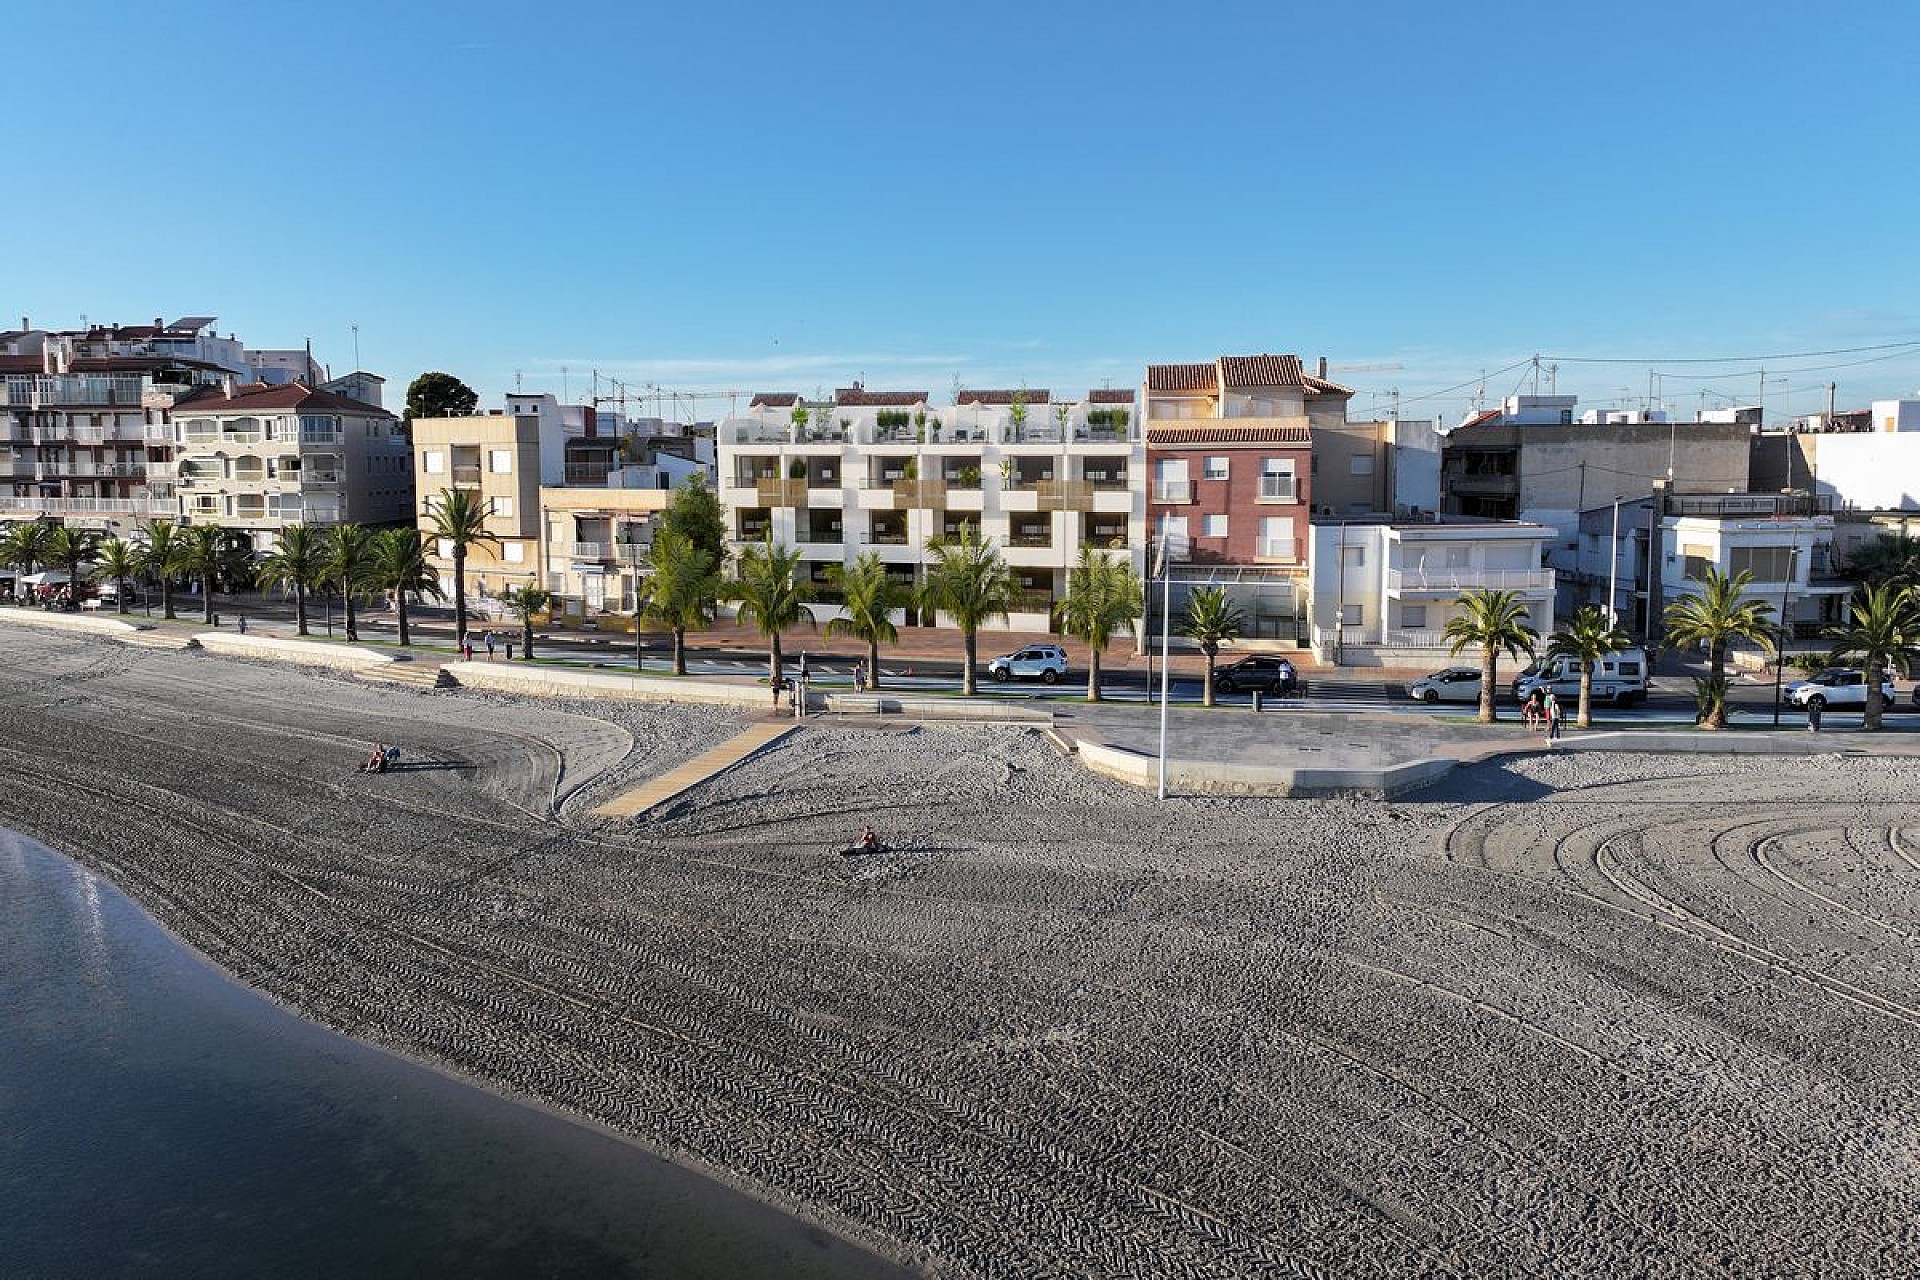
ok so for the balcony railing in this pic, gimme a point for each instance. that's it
(882, 538)
(631, 552)
(1277, 489)
(781, 493)
(1064, 495)
(1172, 491)
(928, 493)
(584, 550)
(1030, 541)
(1467, 579)
(90, 506)
(467, 476)
(1275, 549)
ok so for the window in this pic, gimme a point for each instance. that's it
(1174, 530)
(500, 461)
(1276, 538)
(1413, 617)
(513, 552)
(500, 506)
(434, 462)
(1214, 469)
(1697, 559)
(1170, 481)
(1361, 464)
(1213, 526)
(1766, 564)
(1353, 614)
(1276, 480)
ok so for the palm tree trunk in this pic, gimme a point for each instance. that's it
(206, 598)
(346, 596)
(460, 597)
(969, 646)
(1093, 676)
(680, 651)
(1489, 666)
(1585, 718)
(526, 636)
(1716, 717)
(166, 597)
(1206, 690)
(400, 612)
(873, 664)
(776, 665)
(120, 585)
(299, 609)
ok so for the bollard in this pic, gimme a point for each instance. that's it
(1256, 701)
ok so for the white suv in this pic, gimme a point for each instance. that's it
(1043, 662)
(1835, 687)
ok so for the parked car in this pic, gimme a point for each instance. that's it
(1835, 687)
(1046, 663)
(1257, 674)
(1455, 684)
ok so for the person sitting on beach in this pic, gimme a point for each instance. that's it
(377, 761)
(869, 843)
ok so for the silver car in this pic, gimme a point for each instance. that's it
(1455, 684)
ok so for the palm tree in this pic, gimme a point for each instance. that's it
(397, 562)
(1587, 638)
(769, 594)
(871, 596)
(1883, 634)
(1211, 620)
(161, 558)
(458, 517)
(119, 561)
(1892, 558)
(1714, 616)
(70, 548)
(298, 560)
(24, 545)
(349, 561)
(968, 580)
(207, 553)
(525, 601)
(1496, 621)
(679, 589)
(1104, 595)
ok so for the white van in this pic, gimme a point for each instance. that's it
(1618, 678)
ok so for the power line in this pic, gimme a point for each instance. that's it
(1789, 355)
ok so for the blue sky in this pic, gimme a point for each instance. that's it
(788, 197)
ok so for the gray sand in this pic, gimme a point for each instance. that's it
(1583, 1016)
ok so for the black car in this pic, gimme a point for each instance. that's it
(1257, 674)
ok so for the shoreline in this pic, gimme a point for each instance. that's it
(1183, 1038)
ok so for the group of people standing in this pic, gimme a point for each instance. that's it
(1542, 710)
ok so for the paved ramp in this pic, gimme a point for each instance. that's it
(695, 771)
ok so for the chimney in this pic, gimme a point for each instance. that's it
(226, 384)
(158, 323)
(1322, 367)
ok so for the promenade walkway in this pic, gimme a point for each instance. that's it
(657, 791)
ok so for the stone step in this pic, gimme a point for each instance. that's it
(416, 675)
(160, 638)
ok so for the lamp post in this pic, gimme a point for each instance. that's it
(1613, 567)
(1780, 658)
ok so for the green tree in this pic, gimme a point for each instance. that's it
(1714, 616)
(967, 579)
(1104, 595)
(298, 560)
(398, 564)
(679, 590)
(24, 545)
(870, 597)
(458, 517)
(1211, 619)
(209, 553)
(525, 601)
(119, 562)
(1587, 638)
(160, 556)
(1890, 559)
(1882, 635)
(769, 595)
(439, 395)
(1495, 622)
(349, 562)
(1017, 414)
(70, 548)
(695, 515)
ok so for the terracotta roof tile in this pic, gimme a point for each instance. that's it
(772, 400)
(860, 397)
(1260, 371)
(1111, 395)
(1321, 386)
(1040, 395)
(1182, 377)
(292, 395)
(1222, 431)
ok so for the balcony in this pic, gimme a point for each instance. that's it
(1064, 495)
(1278, 489)
(929, 494)
(780, 493)
(1450, 581)
(466, 477)
(1481, 486)
(584, 550)
(1275, 549)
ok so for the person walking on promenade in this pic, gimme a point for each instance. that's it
(1814, 708)
(466, 649)
(859, 677)
(775, 684)
(509, 648)
(1551, 712)
(490, 642)
(1532, 709)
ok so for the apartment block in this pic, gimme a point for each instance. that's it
(886, 471)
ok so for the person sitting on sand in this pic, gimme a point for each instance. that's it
(377, 761)
(869, 843)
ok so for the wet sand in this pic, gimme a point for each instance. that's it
(1585, 1016)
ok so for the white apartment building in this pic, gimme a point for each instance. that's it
(886, 472)
(258, 458)
(1383, 592)
(1790, 556)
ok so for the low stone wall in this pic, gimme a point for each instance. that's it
(557, 682)
(315, 653)
(1187, 777)
(884, 703)
(92, 623)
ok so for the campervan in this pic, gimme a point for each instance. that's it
(1619, 678)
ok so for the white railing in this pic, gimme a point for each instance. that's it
(585, 550)
(1172, 491)
(90, 506)
(1276, 488)
(1467, 579)
(1275, 549)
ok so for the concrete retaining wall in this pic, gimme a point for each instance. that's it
(313, 653)
(556, 682)
(93, 624)
(1187, 777)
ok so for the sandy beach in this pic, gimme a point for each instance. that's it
(1592, 1015)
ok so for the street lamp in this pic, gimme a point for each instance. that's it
(1613, 566)
(1780, 658)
